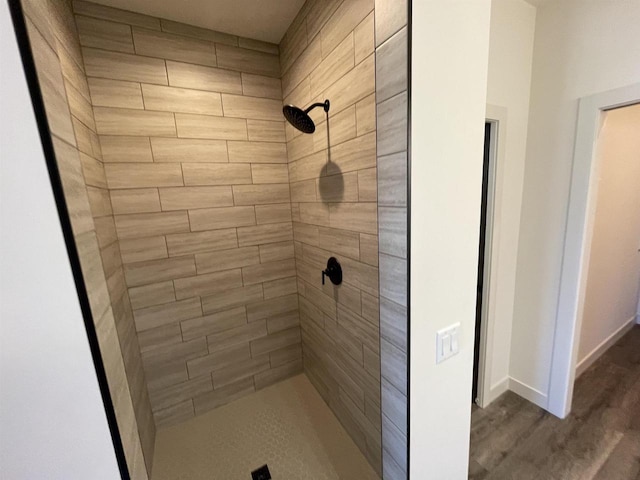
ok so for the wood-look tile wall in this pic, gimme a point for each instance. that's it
(392, 115)
(66, 93)
(328, 53)
(195, 160)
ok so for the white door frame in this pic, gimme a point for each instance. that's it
(577, 243)
(497, 116)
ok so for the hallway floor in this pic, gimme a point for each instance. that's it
(286, 426)
(600, 439)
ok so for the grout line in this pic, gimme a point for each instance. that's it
(181, 331)
(144, 105)
(77, 32)
(153, 158)
(133, 42)
(376, 47)
(175, 125)
(190, 225)
(262, 74)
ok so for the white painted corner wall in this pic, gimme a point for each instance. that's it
(581, 48)
(447, 128)
(508, 90)
(540, 64)
(52, 420)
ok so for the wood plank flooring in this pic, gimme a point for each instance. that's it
(599, 440)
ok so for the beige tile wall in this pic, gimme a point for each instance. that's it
(222, 216)
(66, 93)
(392, 50)
(195, 160)
(328, 52)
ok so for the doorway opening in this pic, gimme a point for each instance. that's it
(482, 391)
(482, 244)
(577, 247)
(607, 343)
(613, 266)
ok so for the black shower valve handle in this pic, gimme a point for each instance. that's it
(333, 271)
(326, 273)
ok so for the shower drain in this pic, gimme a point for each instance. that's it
(261, 473)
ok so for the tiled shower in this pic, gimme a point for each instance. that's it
(203, 220)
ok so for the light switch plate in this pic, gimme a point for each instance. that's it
(447, 342)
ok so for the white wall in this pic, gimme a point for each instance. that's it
(448, 110)
(52, 421)
(581, 47)
(613, 277)
(508, 86)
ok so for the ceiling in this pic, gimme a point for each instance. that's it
(265, 20)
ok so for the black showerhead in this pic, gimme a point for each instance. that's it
(300, 119)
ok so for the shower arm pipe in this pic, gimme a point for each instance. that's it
(324, 104)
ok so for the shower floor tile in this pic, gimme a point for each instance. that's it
(286, 426)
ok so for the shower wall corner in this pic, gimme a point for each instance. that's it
(328, 53)
(192, 136)
(203, 221)
(55, 47)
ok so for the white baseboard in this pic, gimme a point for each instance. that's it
(528, 393)
(496, 390)
(597, 352)
(508, 383)
(539, 398)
